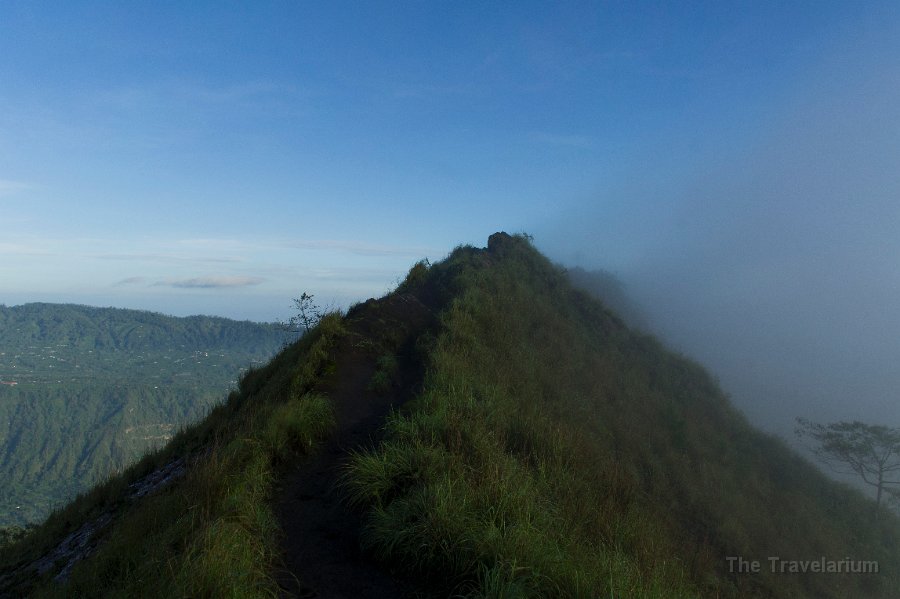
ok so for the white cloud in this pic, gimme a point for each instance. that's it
(211, 282)
(132, 281)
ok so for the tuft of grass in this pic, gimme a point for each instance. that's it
(297, 424)
(416, 277)
(385, 375)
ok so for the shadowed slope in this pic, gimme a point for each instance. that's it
(376, 369)
(555, 453)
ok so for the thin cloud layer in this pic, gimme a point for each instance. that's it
(212, 282)
(132, 281)
(149, 257)
(775, 263)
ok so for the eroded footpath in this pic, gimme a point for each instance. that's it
(320, 548)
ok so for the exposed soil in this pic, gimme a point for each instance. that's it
(321, 550)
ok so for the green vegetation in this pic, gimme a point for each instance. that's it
(211, 533)
(550, 451)
(611, 291)
(96, 388)
(385, 374)
(11, 534)
(554, 453)
(308, 314)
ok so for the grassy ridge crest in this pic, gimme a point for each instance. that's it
(553, 452)
(550, 452)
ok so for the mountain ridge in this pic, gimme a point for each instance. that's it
(109, 326)
(545, 450)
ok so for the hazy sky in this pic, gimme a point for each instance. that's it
(736, 163)
(766, 241)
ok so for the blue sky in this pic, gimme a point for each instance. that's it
(221, 157)
(735, 163)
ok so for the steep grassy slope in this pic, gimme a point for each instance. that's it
(611, 291)
(198, 518)
(548, 452)
(554, 453)
(95, 388)
(192, 519)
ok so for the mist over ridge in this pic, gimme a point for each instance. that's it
(773, 260)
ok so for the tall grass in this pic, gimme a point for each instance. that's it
(554, 453)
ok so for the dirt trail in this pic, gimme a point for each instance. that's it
(321, 552)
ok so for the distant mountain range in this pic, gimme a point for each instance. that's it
(87, 390)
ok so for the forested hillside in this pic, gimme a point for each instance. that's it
(85, 391)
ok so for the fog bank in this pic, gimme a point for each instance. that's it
(774, 260)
